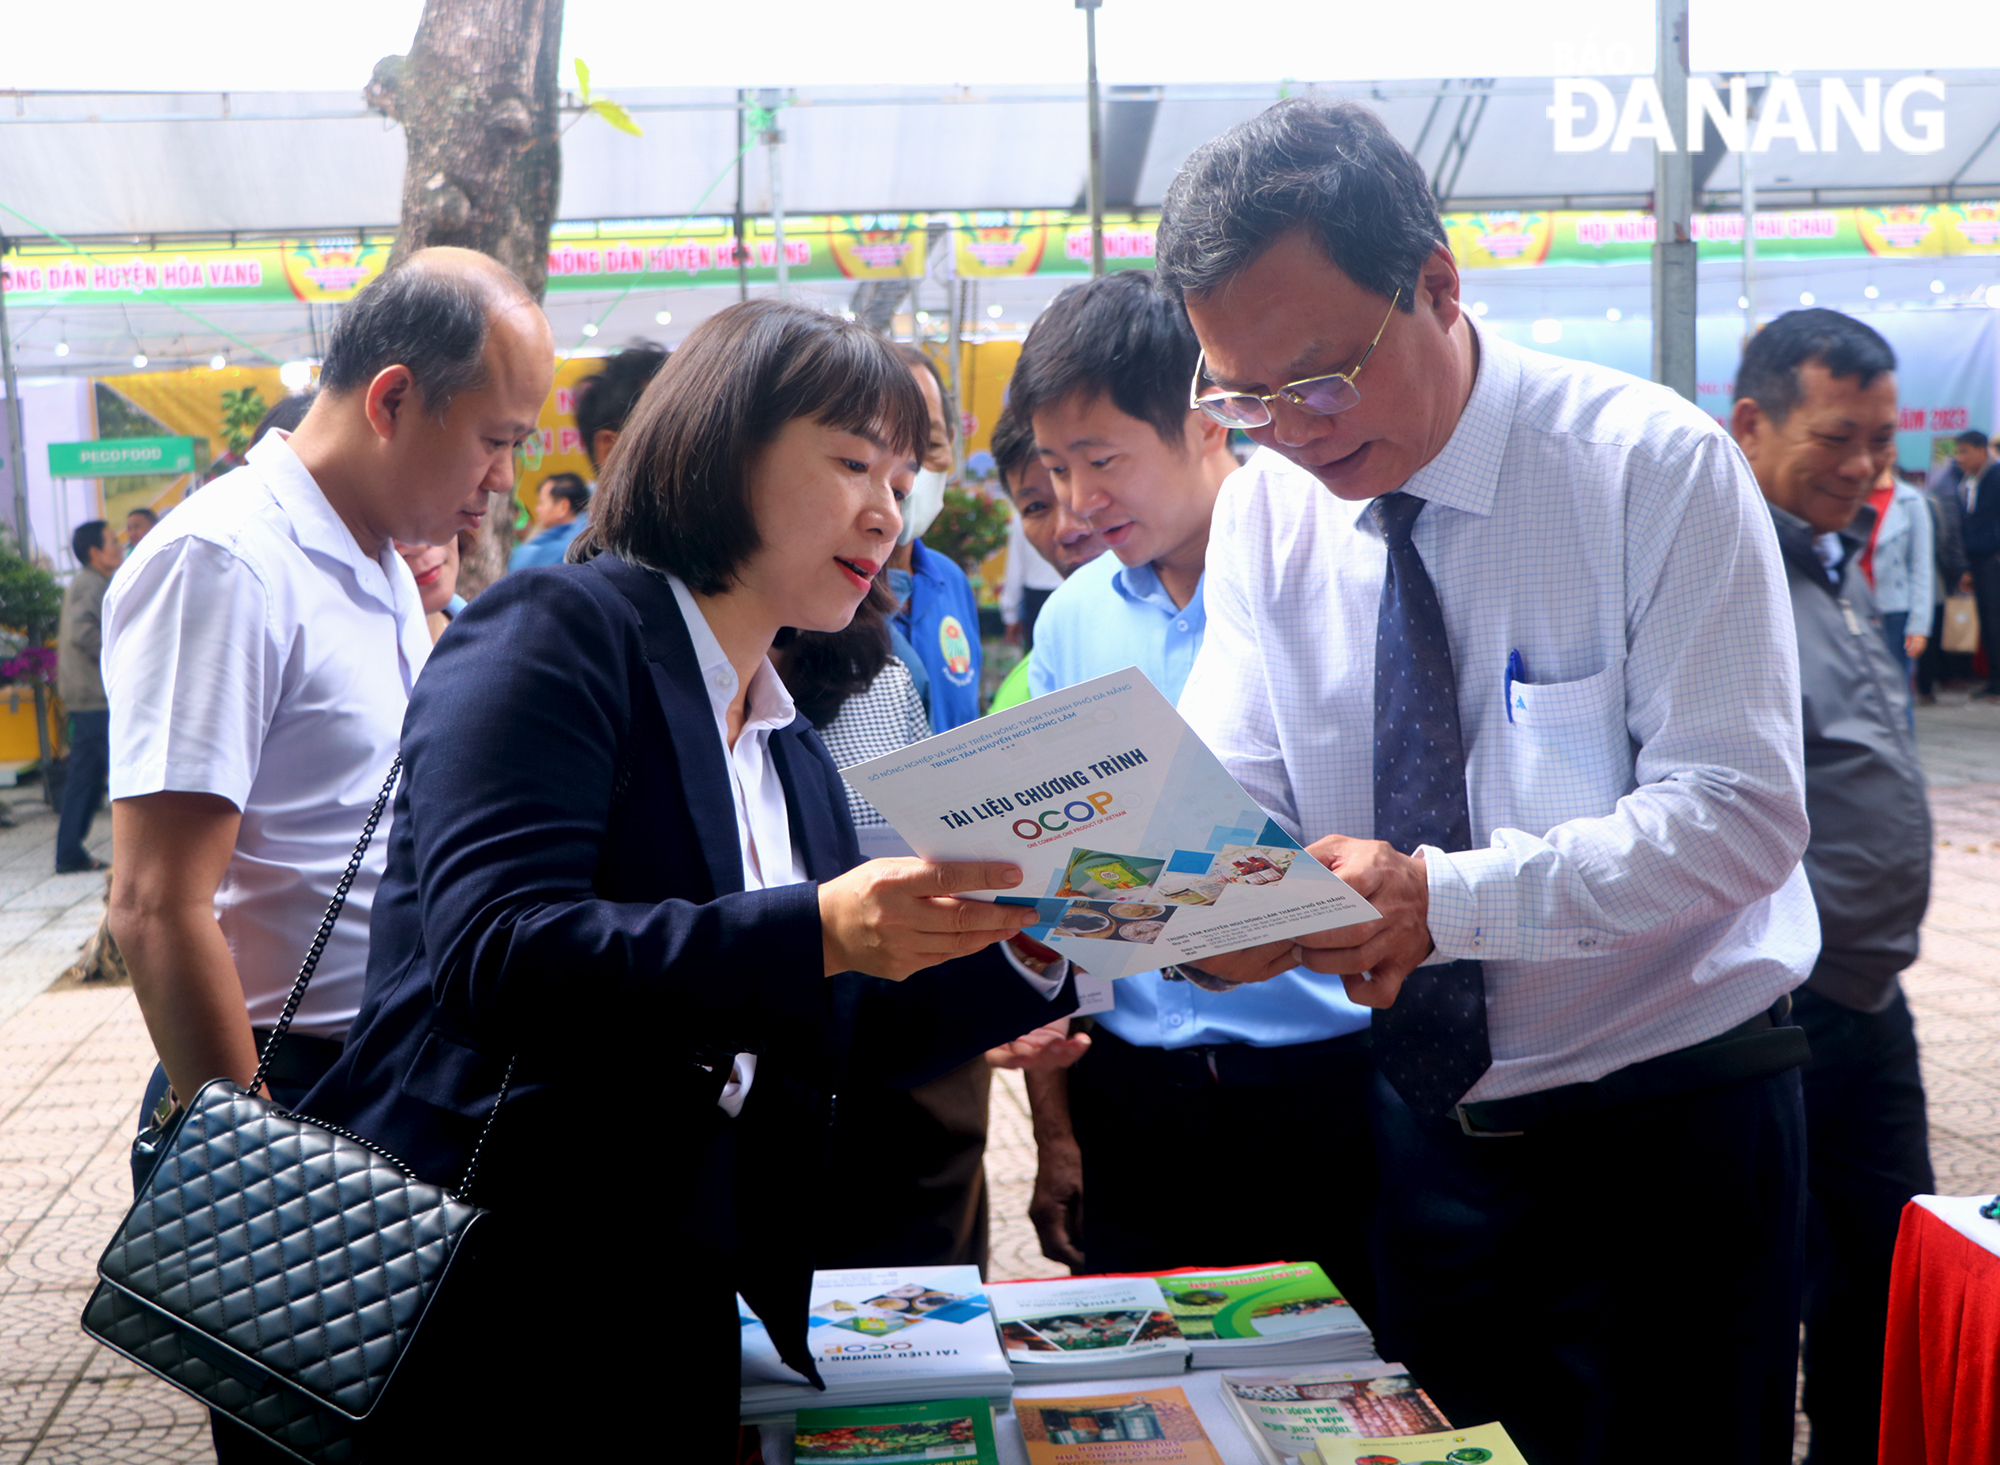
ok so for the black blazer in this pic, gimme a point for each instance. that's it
(1982, 520)
(564, 884)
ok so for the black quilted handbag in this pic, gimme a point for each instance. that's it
(275, 1267)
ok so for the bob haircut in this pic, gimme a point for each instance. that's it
(674, 493)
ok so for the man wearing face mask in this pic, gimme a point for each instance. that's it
(939, 615)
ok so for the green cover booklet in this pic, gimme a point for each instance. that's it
(940, 1429)
(1280, 1312)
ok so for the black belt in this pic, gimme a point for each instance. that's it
(1227, 1065)
(1765, 1045)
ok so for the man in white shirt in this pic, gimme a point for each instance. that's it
(259, 651)
(1523, 620)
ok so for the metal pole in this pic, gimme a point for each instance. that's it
(1089, 9)
(742, 260)
(773, 139)
(954, 351)
(1674, 248)
(1749, 244)
(17, 463)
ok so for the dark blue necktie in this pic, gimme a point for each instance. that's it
(1431, 1045)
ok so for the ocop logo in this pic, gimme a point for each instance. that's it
(1076, 811)
(865, 1348)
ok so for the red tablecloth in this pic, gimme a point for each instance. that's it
(1941, 1374)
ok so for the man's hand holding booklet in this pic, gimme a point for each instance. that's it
(1137, 849)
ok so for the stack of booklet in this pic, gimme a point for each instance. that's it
(1087, 1328)
(881, 1335)
(1251, 1317)
(1284, 1414)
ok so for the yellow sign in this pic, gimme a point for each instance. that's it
(877, 246)
(1901, 231)
(1500, 239)
(991, 246)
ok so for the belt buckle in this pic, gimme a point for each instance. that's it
(1465, 1124)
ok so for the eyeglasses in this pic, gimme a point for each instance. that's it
(1322, 396)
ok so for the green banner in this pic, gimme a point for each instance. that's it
(122, 457)
(655, 254)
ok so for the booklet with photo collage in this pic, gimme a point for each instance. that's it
(1137, 848)
(1086, 1328)
(1157, 1426)
(889, 1434)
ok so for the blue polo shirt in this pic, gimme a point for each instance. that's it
(546, 548)
(940, 618)
(1105, 618)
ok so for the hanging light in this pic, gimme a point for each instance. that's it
(590, 328)
(1937, 287)
(1479, 308)
(62, 348)
(1871, 292)
(296, 375)
(1546, 331)
(663, 318)
(1614, 313)
(217, 361)
(1805, 297)
(996, 311)
(139, 360)
(1993, 296)
(1743, 302)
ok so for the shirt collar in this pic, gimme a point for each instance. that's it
(770, 706)
(1141, 585)
(318, 529)
(1465, 475)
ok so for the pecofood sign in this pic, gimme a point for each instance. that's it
(122, 457)
(1588, 117)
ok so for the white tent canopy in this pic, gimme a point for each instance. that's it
(117, 170)
(219, 163)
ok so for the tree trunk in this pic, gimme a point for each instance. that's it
(478, 100)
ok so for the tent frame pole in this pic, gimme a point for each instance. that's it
(1674, 249)
(17, 464)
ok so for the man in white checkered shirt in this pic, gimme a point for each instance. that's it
(1614, 1203)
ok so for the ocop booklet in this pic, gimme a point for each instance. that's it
(1136, 846)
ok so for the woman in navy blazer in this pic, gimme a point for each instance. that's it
(565, 889)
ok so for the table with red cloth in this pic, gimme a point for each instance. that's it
(1941, 1368)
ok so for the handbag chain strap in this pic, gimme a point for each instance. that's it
(311, 963)
(333, 907)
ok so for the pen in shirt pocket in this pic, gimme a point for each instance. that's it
(1517, 671)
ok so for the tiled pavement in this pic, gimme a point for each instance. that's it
(73, 1059)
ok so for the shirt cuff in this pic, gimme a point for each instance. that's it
(1047, 983)
(1460, 929)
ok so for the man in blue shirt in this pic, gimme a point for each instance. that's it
(1178, 1076)
(559, 506)
(939, 614)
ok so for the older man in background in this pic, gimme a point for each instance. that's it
(1816, 416)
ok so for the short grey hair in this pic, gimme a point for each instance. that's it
(1330, 168)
